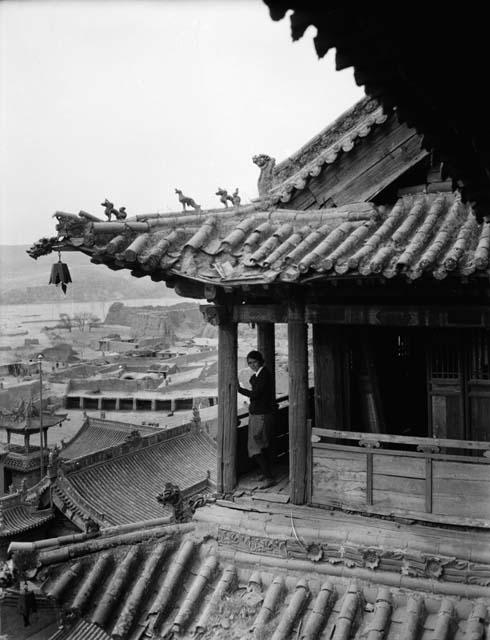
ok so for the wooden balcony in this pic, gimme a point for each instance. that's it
(434, 480)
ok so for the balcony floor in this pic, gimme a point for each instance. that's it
(249, 485)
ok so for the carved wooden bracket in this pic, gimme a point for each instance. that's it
(428, 449)
(215, 314)
(210, 292)
(370, 444)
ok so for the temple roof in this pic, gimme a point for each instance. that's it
(413, 64)
(228, 573)
(18, 518)
(430, 235)
(120, 485)
(96, 434)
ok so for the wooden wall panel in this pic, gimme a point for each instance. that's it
(339, 477)
(451, 506)
(410, 467)
(396, 503)
(452, 470)
(461, 489)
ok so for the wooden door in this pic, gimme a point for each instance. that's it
(445, 377)
(479, 385)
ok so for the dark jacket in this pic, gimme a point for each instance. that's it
(262, 394)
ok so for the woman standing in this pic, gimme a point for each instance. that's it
(261, 415)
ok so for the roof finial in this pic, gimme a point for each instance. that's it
(266, 165)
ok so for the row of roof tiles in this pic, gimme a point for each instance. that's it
(431, 235)
(182, 587)
(96, 434)
(82, 630)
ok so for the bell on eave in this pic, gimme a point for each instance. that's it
(60, 274)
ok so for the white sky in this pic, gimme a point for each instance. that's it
(127, 100)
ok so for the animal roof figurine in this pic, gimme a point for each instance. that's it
(108, 209)
(224, 196)
(186, 201)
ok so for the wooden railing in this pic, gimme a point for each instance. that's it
(437, 480)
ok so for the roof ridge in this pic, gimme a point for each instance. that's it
(100, 457)
(347, 122)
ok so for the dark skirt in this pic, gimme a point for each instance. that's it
(259, 432)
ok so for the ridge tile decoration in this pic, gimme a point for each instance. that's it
(178, 581)
(422, 235)
(97, 434)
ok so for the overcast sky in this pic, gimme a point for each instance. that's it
(128, 100)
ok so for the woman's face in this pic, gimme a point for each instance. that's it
(254, 364)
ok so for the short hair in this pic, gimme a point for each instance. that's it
(255, 355)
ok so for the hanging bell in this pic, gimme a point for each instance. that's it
(60, 274)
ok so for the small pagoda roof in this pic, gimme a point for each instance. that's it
(422, 235)
(32, 424)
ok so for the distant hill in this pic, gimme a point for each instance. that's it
(24, 280)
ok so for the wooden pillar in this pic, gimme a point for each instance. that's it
(227, 404)
(2, 474)
(298, 402)
(327, 365)
(267, 346)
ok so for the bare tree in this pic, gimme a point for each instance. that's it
(84, 319)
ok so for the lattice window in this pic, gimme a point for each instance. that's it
(444, 361)
(479, 356)
(403, 346)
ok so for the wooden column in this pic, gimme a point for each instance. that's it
(267, 346)
(227, 404)
(298, 402)
(2, 475)
(327, 363)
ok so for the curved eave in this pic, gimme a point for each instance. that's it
(422, 236)
(34, 425)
